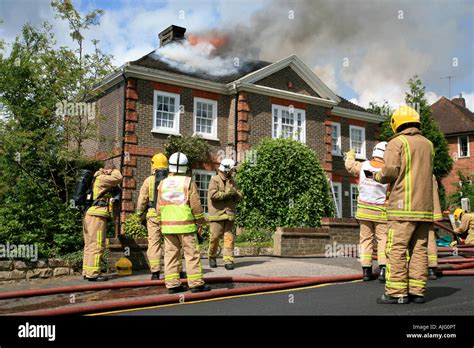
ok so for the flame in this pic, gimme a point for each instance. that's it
(215, 40)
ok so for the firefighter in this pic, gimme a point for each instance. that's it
(222, 197)
(432, 247)
(409, 169)
(147, 204)
(371, 209)
(467, 224)
(182, 218)
(95, 220)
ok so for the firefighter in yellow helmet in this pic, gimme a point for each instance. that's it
(371, 209)
(467, 224)
(409, 169)
(222, 197)
(181, 216)
(432, 247)
(95, 220)
(147, 205)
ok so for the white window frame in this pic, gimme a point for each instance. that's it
(209, 136)
(468, 146)
(353, 203)
(337, 152)
(278, 130)
(203, 172)
(337, 186)
(362, 154)
(166, 130)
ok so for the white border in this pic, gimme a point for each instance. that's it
(339, 139)
(207, 136)
(303, 112)
(364, 151)
(165, 130)
(468, 147)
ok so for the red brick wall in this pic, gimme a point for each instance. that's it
(465, 165)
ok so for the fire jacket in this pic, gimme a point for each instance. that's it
(222, 197)
(467, 225)
(147, 197)
(437, 213)
(100, 192)
(371, 202)
(179, 208)
(408, 168)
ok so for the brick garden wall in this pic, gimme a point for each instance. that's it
(291, 241)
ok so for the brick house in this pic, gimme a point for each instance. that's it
(457, 124)
(146, 100)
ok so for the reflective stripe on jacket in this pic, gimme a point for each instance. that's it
(408, 167)
(437, 213)
(175, 209)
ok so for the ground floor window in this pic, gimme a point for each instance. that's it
(337, 189)
(354, 195)
(202, 179)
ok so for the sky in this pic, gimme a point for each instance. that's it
(364, 50)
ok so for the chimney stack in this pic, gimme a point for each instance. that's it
(459, 101)
(170, 34)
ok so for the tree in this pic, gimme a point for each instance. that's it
(415, 97)
(465, 189)
(36, 164)
(283, 185)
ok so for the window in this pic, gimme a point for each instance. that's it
(288, 123)
(337, 190)
(336, 138)
(463, 147)
(202, 179)
(354, 196)
(205, 118)
(165, 113)
(357, 141)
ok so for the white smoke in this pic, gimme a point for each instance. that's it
(199, 58)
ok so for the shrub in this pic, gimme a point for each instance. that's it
(465, 190)
(134, 228)
(255, 236)
(194, 147)
(285, 186)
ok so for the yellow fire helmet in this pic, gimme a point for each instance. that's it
(159, 161)
(404, 114)
(123, 266)
(457, 213)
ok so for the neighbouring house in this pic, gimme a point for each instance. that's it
(148, 99)
(456, 122)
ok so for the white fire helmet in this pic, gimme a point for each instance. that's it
(178, 163)
(379, 149)
(226, 165)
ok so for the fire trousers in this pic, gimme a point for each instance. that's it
(217, 230)
(369, 231)
(94, 230)
(155, 250)
(432, 249)
(173, 245)
(407, 276)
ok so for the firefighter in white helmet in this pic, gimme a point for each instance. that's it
(371, 209)
(181, 217)
(222, 198)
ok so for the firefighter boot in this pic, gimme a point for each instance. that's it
(417, 299)
(382, 274)
(175, 290)
(97, 279)
(229, 266)
(385, 299)
(201, 288)
(366, 273)
(212, 262)
(155, 275)
(432, 273)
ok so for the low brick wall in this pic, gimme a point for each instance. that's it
(296, 241)
(11, 270)
(135, 247)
